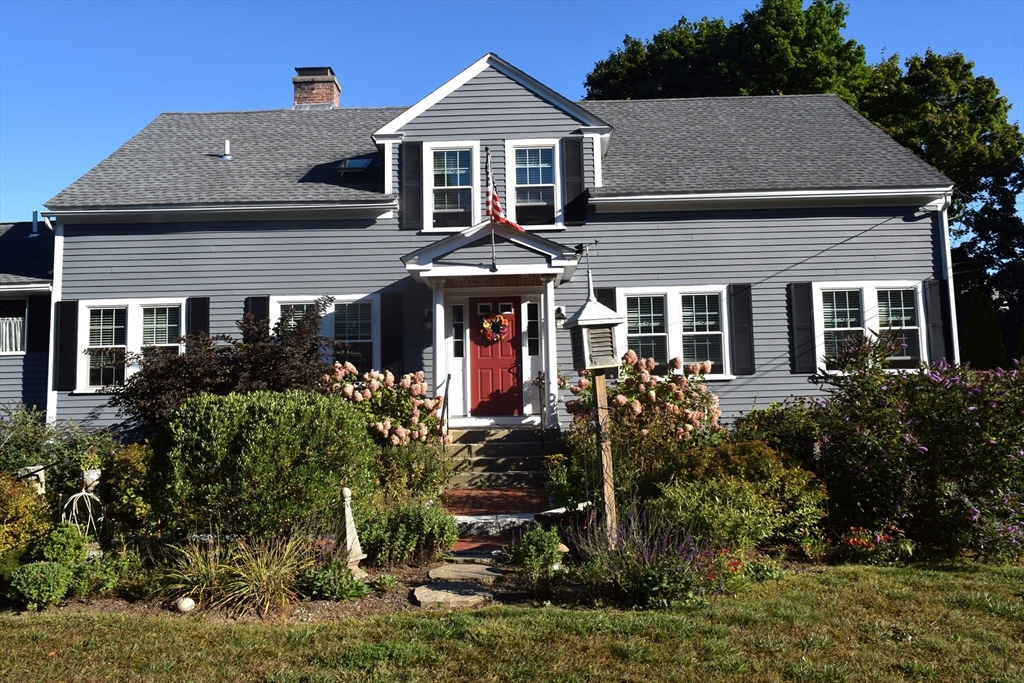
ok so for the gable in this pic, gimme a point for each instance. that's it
(491, 105)
(479, 252)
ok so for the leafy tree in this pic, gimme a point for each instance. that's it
(933, 104)
(292, 356)
(981, 340)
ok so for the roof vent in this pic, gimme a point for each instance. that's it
(226, 156)
(316, 87)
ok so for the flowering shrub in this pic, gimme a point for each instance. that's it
(398, 411)
(650, 416)
(875, 547)
(939, 452)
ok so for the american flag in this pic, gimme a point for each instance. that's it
(494, 210)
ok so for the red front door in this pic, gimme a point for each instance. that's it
(495, 370)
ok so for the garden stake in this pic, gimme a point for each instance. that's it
(604, 449)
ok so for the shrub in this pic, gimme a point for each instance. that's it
(413, 470)
(398, 411)
(790, 428)
(124, 491)
(653, 564)
(332, 581)
(106, 573)
(195, 570)
(256, 464)
(384, 583)
(535, 552)
(416, 531)
(780, 498)
(727, 510)
(24, 518)
(39, 585)
(64, 545)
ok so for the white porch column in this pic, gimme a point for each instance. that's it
(440, 348)
(550, 355)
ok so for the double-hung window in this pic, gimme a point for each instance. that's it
(535, 185)
(452, 188)
(108, 339)
(296, 312)
(646, 327)
(12, 325)
(161, 327)
(686, 322)
(854, 310)
(353, 327)
(703, 338)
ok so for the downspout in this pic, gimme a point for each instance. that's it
(947, 263)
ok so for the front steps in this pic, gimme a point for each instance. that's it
(499, 458)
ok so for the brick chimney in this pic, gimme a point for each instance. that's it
(316, 87)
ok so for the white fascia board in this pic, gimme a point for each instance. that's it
(55, 295)
(221, 209)
(25, 289)
(424, 256)
(905, 195)
(474, 69)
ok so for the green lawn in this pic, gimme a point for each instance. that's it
(957, 623)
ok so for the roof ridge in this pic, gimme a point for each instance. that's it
(285, 109)
(719, 98)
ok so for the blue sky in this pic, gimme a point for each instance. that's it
(78, 79)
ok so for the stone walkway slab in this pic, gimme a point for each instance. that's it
(451, 594)
(465, 572)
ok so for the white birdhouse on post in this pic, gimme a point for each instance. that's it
(592, 333)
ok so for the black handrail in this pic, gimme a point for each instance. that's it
(444, 408)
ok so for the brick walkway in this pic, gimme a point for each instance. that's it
(495, 501)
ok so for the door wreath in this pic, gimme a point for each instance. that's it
(496, 328)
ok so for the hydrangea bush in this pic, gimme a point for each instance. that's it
(399, 411)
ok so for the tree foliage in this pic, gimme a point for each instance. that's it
(291, 356)
(934, 105)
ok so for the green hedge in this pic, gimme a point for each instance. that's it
(258, 463)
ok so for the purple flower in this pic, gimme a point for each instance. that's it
(922, 449)
(971, 409)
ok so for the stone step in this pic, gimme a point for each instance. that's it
(506, 435)
(491, 525)
(451, 594)
(500, 464)
(465, 572)
(501, 449)
(496, 480)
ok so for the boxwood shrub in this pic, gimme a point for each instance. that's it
(257, 464)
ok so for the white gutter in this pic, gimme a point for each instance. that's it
(219, 209)
(866, 193)
(14, 288)
(55, 296)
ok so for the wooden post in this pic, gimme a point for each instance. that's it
(604, 451)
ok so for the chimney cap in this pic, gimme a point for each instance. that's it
(314, 71)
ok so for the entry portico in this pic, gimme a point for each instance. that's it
(491, 272)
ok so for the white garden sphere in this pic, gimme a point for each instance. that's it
(185, 604)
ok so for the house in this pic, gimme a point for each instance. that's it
(755, 232)
(26, 270)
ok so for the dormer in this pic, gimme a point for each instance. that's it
(545, 152)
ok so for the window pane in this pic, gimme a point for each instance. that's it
(353, 322)
(909, 356)
(896, 308)
(645, 315)
(533, 329)
(458, 332)
(12, 325)
(655, 347)
(701, 313)
(160, 325)
(297, 311)
(453, 208)
(107, 327)
(452, 168)
(535, 166)
(842, 309)
(835, 342)
(360, 354)
(105, 369)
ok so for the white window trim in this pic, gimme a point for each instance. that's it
(24, 328)
(428, 181)
(674, 320)
(508, 200)
(133, 333)
(327, 324)
(869, 303)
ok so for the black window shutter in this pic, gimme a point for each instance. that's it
(606, 296)
(38, 337)
(574, 193)
(198, 314)
(66, 372)
(259, 306)
(741, 329)
(801, 329)
(391, 335)
(936, 299)
(411, 206)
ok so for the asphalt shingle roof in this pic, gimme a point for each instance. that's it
(668, 146)
(25, 260)
(279, 156)
(736, 144)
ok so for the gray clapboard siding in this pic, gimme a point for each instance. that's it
(23, 379)
(230, 261)
(767, 249)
